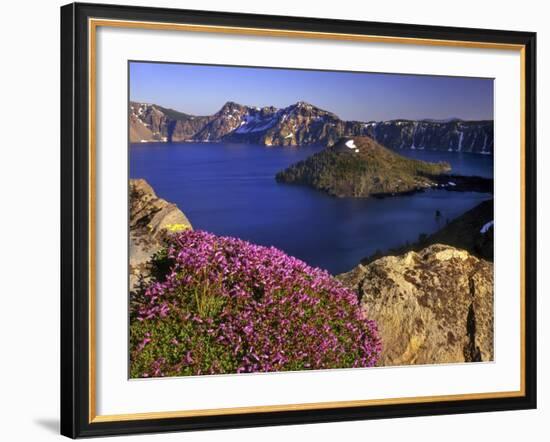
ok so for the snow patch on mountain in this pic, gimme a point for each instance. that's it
(255, 123)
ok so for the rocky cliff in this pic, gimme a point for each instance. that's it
(453, 135)
(150, 122)
(151, 219)
(303, 123)
(432, 306)
(360, 167)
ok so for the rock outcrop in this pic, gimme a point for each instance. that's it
(303, 123)
(151, 220)
(433, 306)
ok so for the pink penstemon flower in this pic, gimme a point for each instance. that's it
(266, 310)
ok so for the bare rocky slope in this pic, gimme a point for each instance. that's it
(303, 123)
(432, 306)
(151, 220)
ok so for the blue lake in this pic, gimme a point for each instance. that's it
(463, 163)
(230, 189)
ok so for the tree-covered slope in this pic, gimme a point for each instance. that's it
(360, 167)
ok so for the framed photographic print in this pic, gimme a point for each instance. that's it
(279, 220)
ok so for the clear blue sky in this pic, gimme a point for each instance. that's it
(202, 90)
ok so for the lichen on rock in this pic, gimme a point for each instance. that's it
(432, 306)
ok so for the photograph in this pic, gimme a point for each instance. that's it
(277, 219)
(274, 221)
(284, 219)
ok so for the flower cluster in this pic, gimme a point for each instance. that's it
(228, 306)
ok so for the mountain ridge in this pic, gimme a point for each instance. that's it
(303, 123)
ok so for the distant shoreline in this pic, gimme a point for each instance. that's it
(416, 149)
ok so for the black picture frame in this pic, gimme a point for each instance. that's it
(75, 221)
